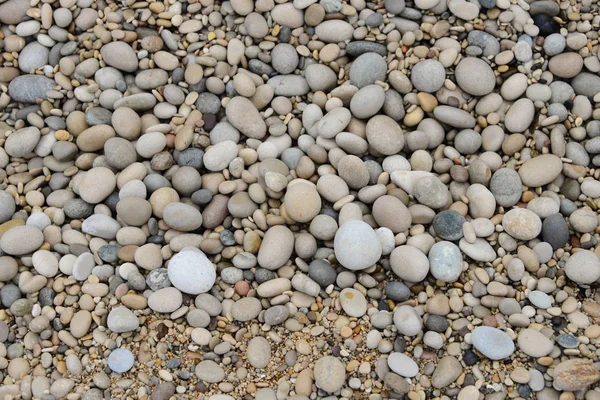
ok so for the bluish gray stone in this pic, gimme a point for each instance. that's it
(28, 88)
(555, 231)
(9, 294)
(78, 209)
(98, 116)
(322, 272)
(486, 42)
(120, 360)
(374, 20)
(505, 185)
(397, 291)
(357, 48)
(158, 279)
(276, 315)
(448, 225)
(566, 208)
(488, 3)
(567, 341)
(554, 44)
(492, 342)
(586, 84)
(208, 103)
(109, 253)
(445, 261)
(540, 299)
(367, 69)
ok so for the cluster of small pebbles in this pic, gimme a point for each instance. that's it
(299, 199)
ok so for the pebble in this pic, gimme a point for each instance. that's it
(402, 365)
(540, 170)
(583, 267)
(492, 342)
(522, 224)
(356, 245)
(353, 302)
(330, 374)
(120, 360)
(445, 261)
(122, 319)
(258, 352)
(191, 272)
(475, 76)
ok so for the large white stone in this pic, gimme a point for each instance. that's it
(356, 245)
(192, 272)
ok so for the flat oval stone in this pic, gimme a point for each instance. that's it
(22, 142)
(534, 343)
(540, 170)
(28, 88)
(276, 248)
(243, 115)
(403, 365)
(522, 224)
(21, 240)
(492, 342)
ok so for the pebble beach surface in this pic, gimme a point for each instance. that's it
(307, 199)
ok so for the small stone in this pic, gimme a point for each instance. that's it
(120, 360)
(522, 224)
(353, 302)
(492, 342)
(192, 272)
(122, 319)
(258, 352)
(583, 267)
(402, 365)
(448, 225)
(330, 374)
(445, 261)
(446, 372)
(356, 245)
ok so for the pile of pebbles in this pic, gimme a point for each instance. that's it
(307, 199)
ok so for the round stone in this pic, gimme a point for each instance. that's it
(258, 352)
(583, 267)
(192, 272)
(475, 76)
(403, 365)
(522, 224)
(445, 261)
(302, 201)
(448, 225)
(353, 302)
(407, 321)
(330, 374)
(368, 68)
(505, 185)
(409, 263)
(120, 360)
(428, 76)
(431, 192)
(356, 245)
(534, 343)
